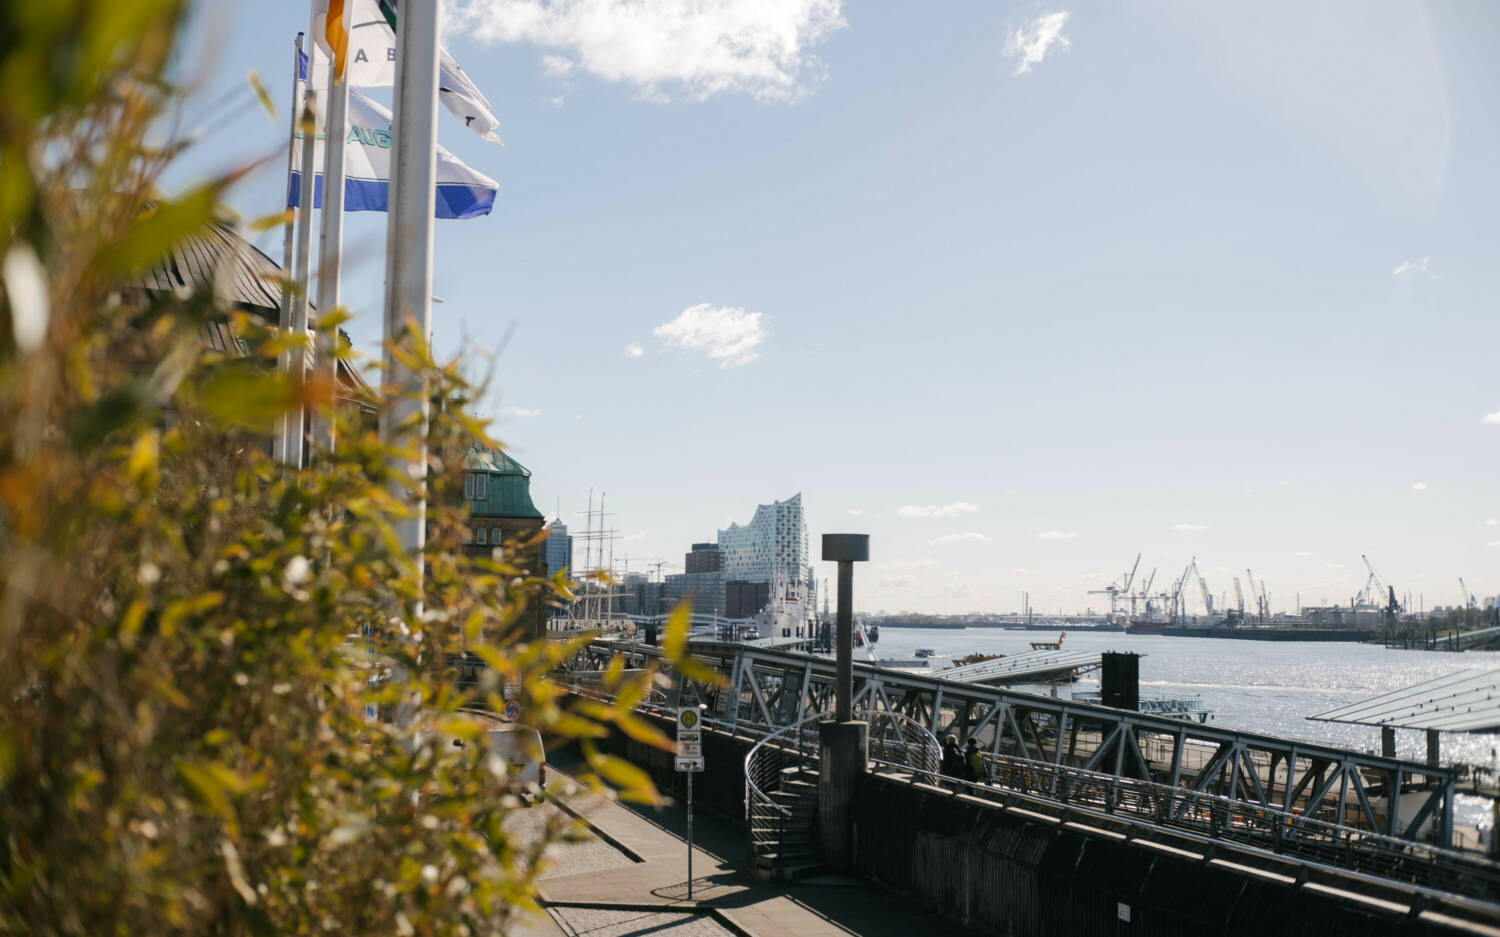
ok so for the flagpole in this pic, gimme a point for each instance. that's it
(278, 443)
(408, 297)
(331, 244)
(297, 357)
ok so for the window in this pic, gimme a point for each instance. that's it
(481, 487)
(495, 536)
(468, 487)
(479, 536)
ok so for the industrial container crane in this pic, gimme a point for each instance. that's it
(1114, 592)
(1374, 592)
(1208, 598)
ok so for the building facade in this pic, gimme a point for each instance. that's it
(497, 499)
(557, 551)
(773, 549)
(703, 558)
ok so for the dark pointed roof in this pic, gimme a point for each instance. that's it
(241, 275)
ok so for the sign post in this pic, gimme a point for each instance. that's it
(689, 759)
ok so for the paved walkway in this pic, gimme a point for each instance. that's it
(644, 889)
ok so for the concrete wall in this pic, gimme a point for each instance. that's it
(998, 872)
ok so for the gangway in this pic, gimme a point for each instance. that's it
(1028, 667)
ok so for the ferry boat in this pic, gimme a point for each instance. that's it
(1189, 709)
(925, 652)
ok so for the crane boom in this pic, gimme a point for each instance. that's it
(1239, 596)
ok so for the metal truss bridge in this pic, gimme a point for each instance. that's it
(1293, 789)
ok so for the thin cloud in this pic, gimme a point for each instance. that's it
(1191, 528)
(727, 334)
(632, 350)
(700, 47)
(923, 511)
(1493, 543)
(971, 537)
(1333, 565)
(1491, 417)
(1303, 553)
(1419, 486)
(1032, 42)
(1492, 522)
(1057, 535)
(925, 562)
(855, 512)
(521, 411)
(557, 66)
(1416, 267)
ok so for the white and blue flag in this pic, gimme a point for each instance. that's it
(462, 192)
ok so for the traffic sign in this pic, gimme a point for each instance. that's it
(687, 718)
(689, 762)
(693, 736)
(512, 711)
(693, 749)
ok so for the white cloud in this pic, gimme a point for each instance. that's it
(1491, 417)
(521, 411)
(920, 511)
(724, 333)
(1493, 543)
(557, 101)
(855, 512)
(1412, 267)
(947, 539)
(925, 562)
(632, 350)
(1303, 553)
(1492, 522)
(1419, 486)
(1191, 528)
(1057, 535)
(703, 47)
(638, 535)
(1031, 42)
(557, 66)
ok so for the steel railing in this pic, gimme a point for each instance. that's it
(1206, 817)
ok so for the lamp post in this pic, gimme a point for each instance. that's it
(844, 743)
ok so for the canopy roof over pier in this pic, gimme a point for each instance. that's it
(1464, 701)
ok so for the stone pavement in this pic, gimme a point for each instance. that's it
(642, 888)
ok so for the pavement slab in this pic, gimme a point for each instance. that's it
(725, 897)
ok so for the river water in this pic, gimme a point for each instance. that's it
(1270, 687)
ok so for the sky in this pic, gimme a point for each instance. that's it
(1021, 290)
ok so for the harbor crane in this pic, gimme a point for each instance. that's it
(1239, 601)
(1374, 591)
(1179, 599)
(1123, 588)
(1464, 591)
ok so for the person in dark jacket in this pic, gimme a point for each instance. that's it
(953, 759)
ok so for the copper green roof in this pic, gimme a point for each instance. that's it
(507, 489)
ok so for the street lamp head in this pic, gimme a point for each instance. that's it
(846, 548)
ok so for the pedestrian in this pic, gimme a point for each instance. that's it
(953, 759)
(974, 762)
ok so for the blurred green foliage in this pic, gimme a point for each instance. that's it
(193, 636)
